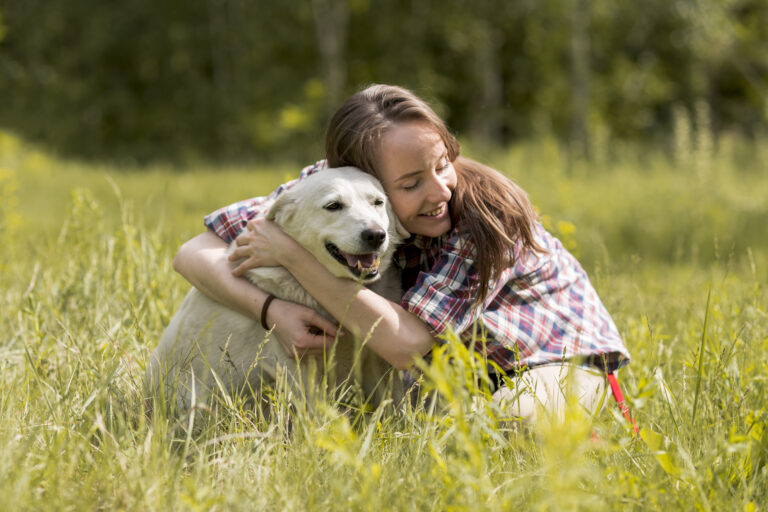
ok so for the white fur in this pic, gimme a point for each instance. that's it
(208, 348)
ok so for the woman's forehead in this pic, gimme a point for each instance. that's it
(410, 147)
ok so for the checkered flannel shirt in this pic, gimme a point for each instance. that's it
(542, 310)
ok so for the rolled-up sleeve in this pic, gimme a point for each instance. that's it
(229, 221)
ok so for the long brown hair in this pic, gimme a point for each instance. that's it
(493, 210)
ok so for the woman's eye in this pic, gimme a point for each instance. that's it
(411, 186)
(333, 206)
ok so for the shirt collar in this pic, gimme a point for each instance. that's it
(424, 242)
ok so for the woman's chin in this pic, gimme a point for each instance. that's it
(431, 228)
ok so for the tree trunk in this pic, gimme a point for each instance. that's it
(331, 17)
(486, 105)
(580, 78)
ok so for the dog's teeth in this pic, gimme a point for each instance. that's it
(359, 265)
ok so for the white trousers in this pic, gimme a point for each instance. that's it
(541, 393)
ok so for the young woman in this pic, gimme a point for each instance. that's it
(476, 254)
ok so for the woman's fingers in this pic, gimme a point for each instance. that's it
(328, 329)
(243, 267)
(253, 261)
(308, 345)
(243, 247)
(240, 252)
(301, 330)
(245, 236)
(258, 245)
(314, 345)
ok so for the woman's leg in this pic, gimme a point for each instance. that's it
(541, 393)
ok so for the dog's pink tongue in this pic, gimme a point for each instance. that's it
(366, 260)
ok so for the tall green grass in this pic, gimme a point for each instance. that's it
(86, 288)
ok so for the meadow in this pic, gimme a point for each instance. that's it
(674, 241)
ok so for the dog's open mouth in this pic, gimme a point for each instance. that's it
(361, 265)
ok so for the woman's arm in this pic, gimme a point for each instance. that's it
(203, 262)
(394, 333)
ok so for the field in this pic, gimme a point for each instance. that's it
(676, 244)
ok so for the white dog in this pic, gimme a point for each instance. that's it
(343, 217)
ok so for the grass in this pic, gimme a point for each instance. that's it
(677, 251)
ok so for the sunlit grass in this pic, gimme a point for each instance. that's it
(86, 288)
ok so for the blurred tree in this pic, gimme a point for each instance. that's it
(331, 18)
(232, 79)
(580, 15)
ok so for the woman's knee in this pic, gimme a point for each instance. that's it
(543, 393)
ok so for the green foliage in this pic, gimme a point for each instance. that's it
(226, 79)
(87, 288)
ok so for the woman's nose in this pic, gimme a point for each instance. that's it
(438, 190)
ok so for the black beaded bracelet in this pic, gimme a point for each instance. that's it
(264, 308)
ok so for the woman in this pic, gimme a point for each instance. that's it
(476, 253)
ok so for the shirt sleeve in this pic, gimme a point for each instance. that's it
(229, 221)
(443, 297)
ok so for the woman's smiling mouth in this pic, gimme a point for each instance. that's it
(437, 212)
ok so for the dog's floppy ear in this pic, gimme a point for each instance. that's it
(399, 228)
(282, 209)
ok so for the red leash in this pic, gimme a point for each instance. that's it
(619, 396)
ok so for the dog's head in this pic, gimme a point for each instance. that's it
(343, 217)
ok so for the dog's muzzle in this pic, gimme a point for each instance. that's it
(365, 265)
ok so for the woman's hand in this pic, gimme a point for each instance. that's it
(299, 329)
(261, 244)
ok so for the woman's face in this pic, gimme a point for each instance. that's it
(417, 176)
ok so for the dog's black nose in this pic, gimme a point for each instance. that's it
(374, 237)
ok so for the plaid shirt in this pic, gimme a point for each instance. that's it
(542, 310)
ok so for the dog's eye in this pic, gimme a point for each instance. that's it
(333, 206)
(378, 202)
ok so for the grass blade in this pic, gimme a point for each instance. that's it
(701, 357)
